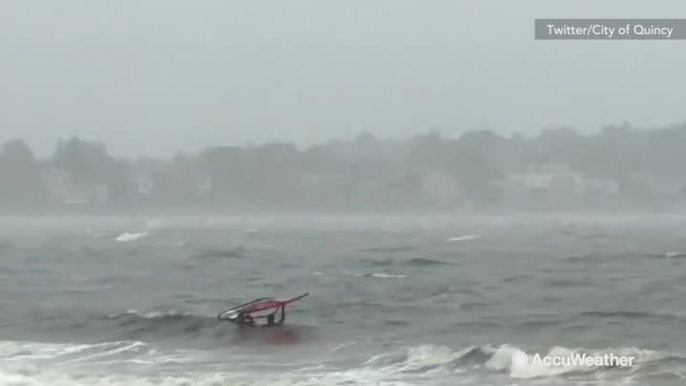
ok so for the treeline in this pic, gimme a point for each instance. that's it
(363, 173)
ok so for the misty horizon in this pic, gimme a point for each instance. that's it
(157, 77)
(619, 168)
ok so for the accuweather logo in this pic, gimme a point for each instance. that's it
(521, 359)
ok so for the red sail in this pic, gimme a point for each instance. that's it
(269, 304)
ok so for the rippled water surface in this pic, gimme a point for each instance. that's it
(393, 301)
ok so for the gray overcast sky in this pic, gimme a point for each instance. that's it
(153, 76)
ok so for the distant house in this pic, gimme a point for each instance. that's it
(63, 191)
(547, 177)
(440, 187)
(143, 176)
(203, 184)
(596, 186)
(82, 194)
(144, 185)
(556, 184)
(191, 183)
(56, 184)
(660, 186)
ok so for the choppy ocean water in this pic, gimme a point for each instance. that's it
(393, 301)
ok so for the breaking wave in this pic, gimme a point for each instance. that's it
(403, 248)
(431, 358)
(465, 238)
(174, 327)
(412, 262)
(171, 324)
(28, 363)
(423, 262)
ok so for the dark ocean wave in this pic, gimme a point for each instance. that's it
(156, 326)
(232, 253)
(423, 262)
(590, 319)
(172, 326)
(377, 263)
(666, 255)
(429, 358)
(402, 248)
(561, 282)
(633, 315)
(412, 262)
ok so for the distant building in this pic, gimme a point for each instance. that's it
(556, 184)
(323, 179)
(62, 191)
(595, 186)
(203, 184)
(440, 187)
(660, 186)
(56, 184)
(548, 177)
(144, 185)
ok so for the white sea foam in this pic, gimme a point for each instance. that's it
(27, 351)
(502, 359)
(464, 238)
(131, 236)
(428, 359)
(387, 276)
(378, 275)
(24, 363)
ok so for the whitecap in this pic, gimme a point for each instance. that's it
(464, 238)
(131, 236)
